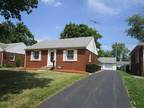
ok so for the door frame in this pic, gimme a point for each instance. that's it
(49, 63)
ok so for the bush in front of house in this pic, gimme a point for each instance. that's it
(91, 68)
(18, 62)
(1, 66)
(9, 65)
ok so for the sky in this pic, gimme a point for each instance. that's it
(49, 19)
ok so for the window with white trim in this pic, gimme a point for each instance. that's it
(36, 55)
(70, 55)
(12, 57)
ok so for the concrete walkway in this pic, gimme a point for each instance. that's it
(102, 90)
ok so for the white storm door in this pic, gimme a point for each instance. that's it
(51, 57)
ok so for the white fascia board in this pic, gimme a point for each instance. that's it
(92, 47)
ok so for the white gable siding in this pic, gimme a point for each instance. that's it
(92, 47)
(1, 49)
(20, 49)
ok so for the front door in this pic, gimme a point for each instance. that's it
(51, 57)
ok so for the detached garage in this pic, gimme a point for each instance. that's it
(107, 63)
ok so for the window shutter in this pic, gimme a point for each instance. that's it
(75, 55)
(64, 55)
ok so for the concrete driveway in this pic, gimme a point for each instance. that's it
(102, 90)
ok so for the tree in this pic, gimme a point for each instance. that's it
(102, 53)
(13, 8)
(120, 51)
(136, 29)
(11, 33)
(80, 30)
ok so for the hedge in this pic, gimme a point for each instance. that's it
(91, 68)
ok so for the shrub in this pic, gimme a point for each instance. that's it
(18, 62)
(91, 68)
(9, 65)
(1, 66)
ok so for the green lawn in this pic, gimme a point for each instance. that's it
(135, 86)
(28, 89)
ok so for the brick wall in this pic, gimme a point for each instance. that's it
(79, 65)
(137, 61)
(36, 64)
(6, 58)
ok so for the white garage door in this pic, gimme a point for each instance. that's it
(108, 67)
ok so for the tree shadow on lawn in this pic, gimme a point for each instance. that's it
(15, 82)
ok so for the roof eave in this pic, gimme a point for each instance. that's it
(54, 48)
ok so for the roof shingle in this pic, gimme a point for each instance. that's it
(62, 43)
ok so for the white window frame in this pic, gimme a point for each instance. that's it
(65, 58)
(13, 57)
(32, 56)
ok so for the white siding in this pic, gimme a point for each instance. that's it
(92, 47)
(1, 49)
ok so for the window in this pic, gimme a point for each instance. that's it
(12, 57)
(70, 55)
(35, 55)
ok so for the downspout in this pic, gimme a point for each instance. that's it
(2, 58)
(25, 61)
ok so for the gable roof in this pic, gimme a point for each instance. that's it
(137, 46)
(13, 47)
(3, 46)
(62, 43)
(82, 42)
(107, 60)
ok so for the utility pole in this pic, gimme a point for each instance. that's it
(116, 51)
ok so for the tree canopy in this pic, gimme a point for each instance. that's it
(102, 53)
(136, 30)
(120, 51)
(80, 30)
(12, 33)
(13, 8)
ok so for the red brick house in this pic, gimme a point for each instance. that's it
(137, 60)
(69, 54)
(9, 53)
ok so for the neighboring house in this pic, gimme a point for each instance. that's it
(69, 54)
(9, 53)
(137, 60)
(107, 63)
(122, 63)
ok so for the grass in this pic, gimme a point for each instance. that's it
(135, 87)
(28, 89)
